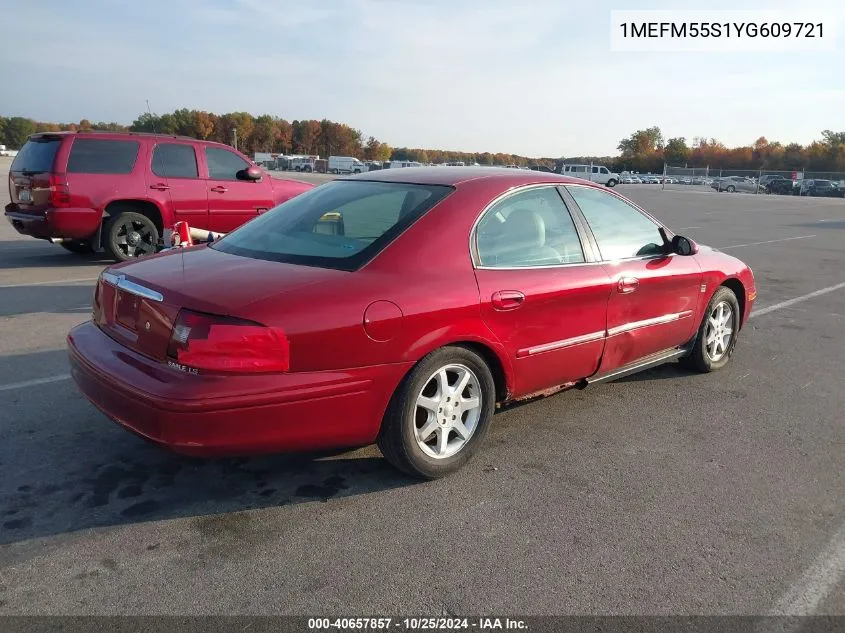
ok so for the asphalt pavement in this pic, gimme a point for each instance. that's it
(663, 493)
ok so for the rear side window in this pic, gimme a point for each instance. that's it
(102, 156)
(340, 225)
(175, 160)
(36, 156)
(223, 165)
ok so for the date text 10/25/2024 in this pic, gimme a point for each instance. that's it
(417, 624)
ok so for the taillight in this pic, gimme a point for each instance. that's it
(59, 191)
(226, 344)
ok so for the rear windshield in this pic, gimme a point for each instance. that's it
(37, 155)
(341, 224)
(102, 156)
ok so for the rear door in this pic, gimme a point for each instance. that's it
(174, 182)
(541, 294)
(232, 201)
(654, 297)
(29, 175)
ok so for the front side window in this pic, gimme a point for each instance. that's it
(102, 156)
(223, 164)
(621, 230)
(340, 225)
(530, 228)
(175, 160)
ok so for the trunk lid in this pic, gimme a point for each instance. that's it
(136, 303)
(32, 173)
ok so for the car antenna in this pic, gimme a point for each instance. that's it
(152, 119)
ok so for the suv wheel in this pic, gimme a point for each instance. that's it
(611, 182)
(128, 235)
(78, 247)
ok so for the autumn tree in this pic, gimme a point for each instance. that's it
(18, 129)
(676, 151)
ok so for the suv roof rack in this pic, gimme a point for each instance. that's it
(130, 133)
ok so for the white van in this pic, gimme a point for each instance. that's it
(593, 173)
(345, 165)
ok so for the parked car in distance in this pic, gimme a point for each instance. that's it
(594, 173)
(821, 188)
(118, 191)
(783, 186)
(346, 165)
(400, 307)
(732, 184)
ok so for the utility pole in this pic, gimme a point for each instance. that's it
(235, 137)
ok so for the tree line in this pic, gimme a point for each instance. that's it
(644, 150)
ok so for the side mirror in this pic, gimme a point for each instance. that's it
(250, 173)
(683, 245)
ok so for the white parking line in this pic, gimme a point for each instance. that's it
(791, 302)
(49, 283)
(785, 239)
(686, 228)
(33, 383)
(805, 595)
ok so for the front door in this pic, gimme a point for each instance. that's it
(174, 183)
(232, 201)
(541, 295)
(654, 296)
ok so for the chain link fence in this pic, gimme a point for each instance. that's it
(754, 181)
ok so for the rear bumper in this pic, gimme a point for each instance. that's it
(74, 223)
(233, 415)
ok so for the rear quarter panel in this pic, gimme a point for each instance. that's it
(96, 191)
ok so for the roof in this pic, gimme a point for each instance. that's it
(106, 133)
(457, 175)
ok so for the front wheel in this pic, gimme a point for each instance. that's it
(717, 333)
(439, 414)
(611, 183)
(730, 189)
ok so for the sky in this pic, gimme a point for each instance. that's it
(530, 77)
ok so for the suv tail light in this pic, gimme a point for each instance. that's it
(59, 191)
(226, 344)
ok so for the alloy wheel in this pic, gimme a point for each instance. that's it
(719, 331)
(447, 411)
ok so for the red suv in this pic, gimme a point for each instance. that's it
(118, 191)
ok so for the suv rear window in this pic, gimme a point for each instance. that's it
(37, 155)
(340, 225)
(102, 156)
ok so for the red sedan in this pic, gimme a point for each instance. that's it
(400, 307)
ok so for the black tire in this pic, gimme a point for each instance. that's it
(397, 437)
(699, 358)
(78, 247)
(730, 189)
(611, 183)
(118, 238)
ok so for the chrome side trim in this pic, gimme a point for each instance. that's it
(569, 342)
(661, 320)
(122, 283)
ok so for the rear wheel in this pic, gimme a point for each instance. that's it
(128, 235)
(717, 333)
(730, 189)
(78, 247)
(439, 414)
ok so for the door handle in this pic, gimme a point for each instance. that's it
(628, 284)
(159, 186)
(219, 189)
(507, 299)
